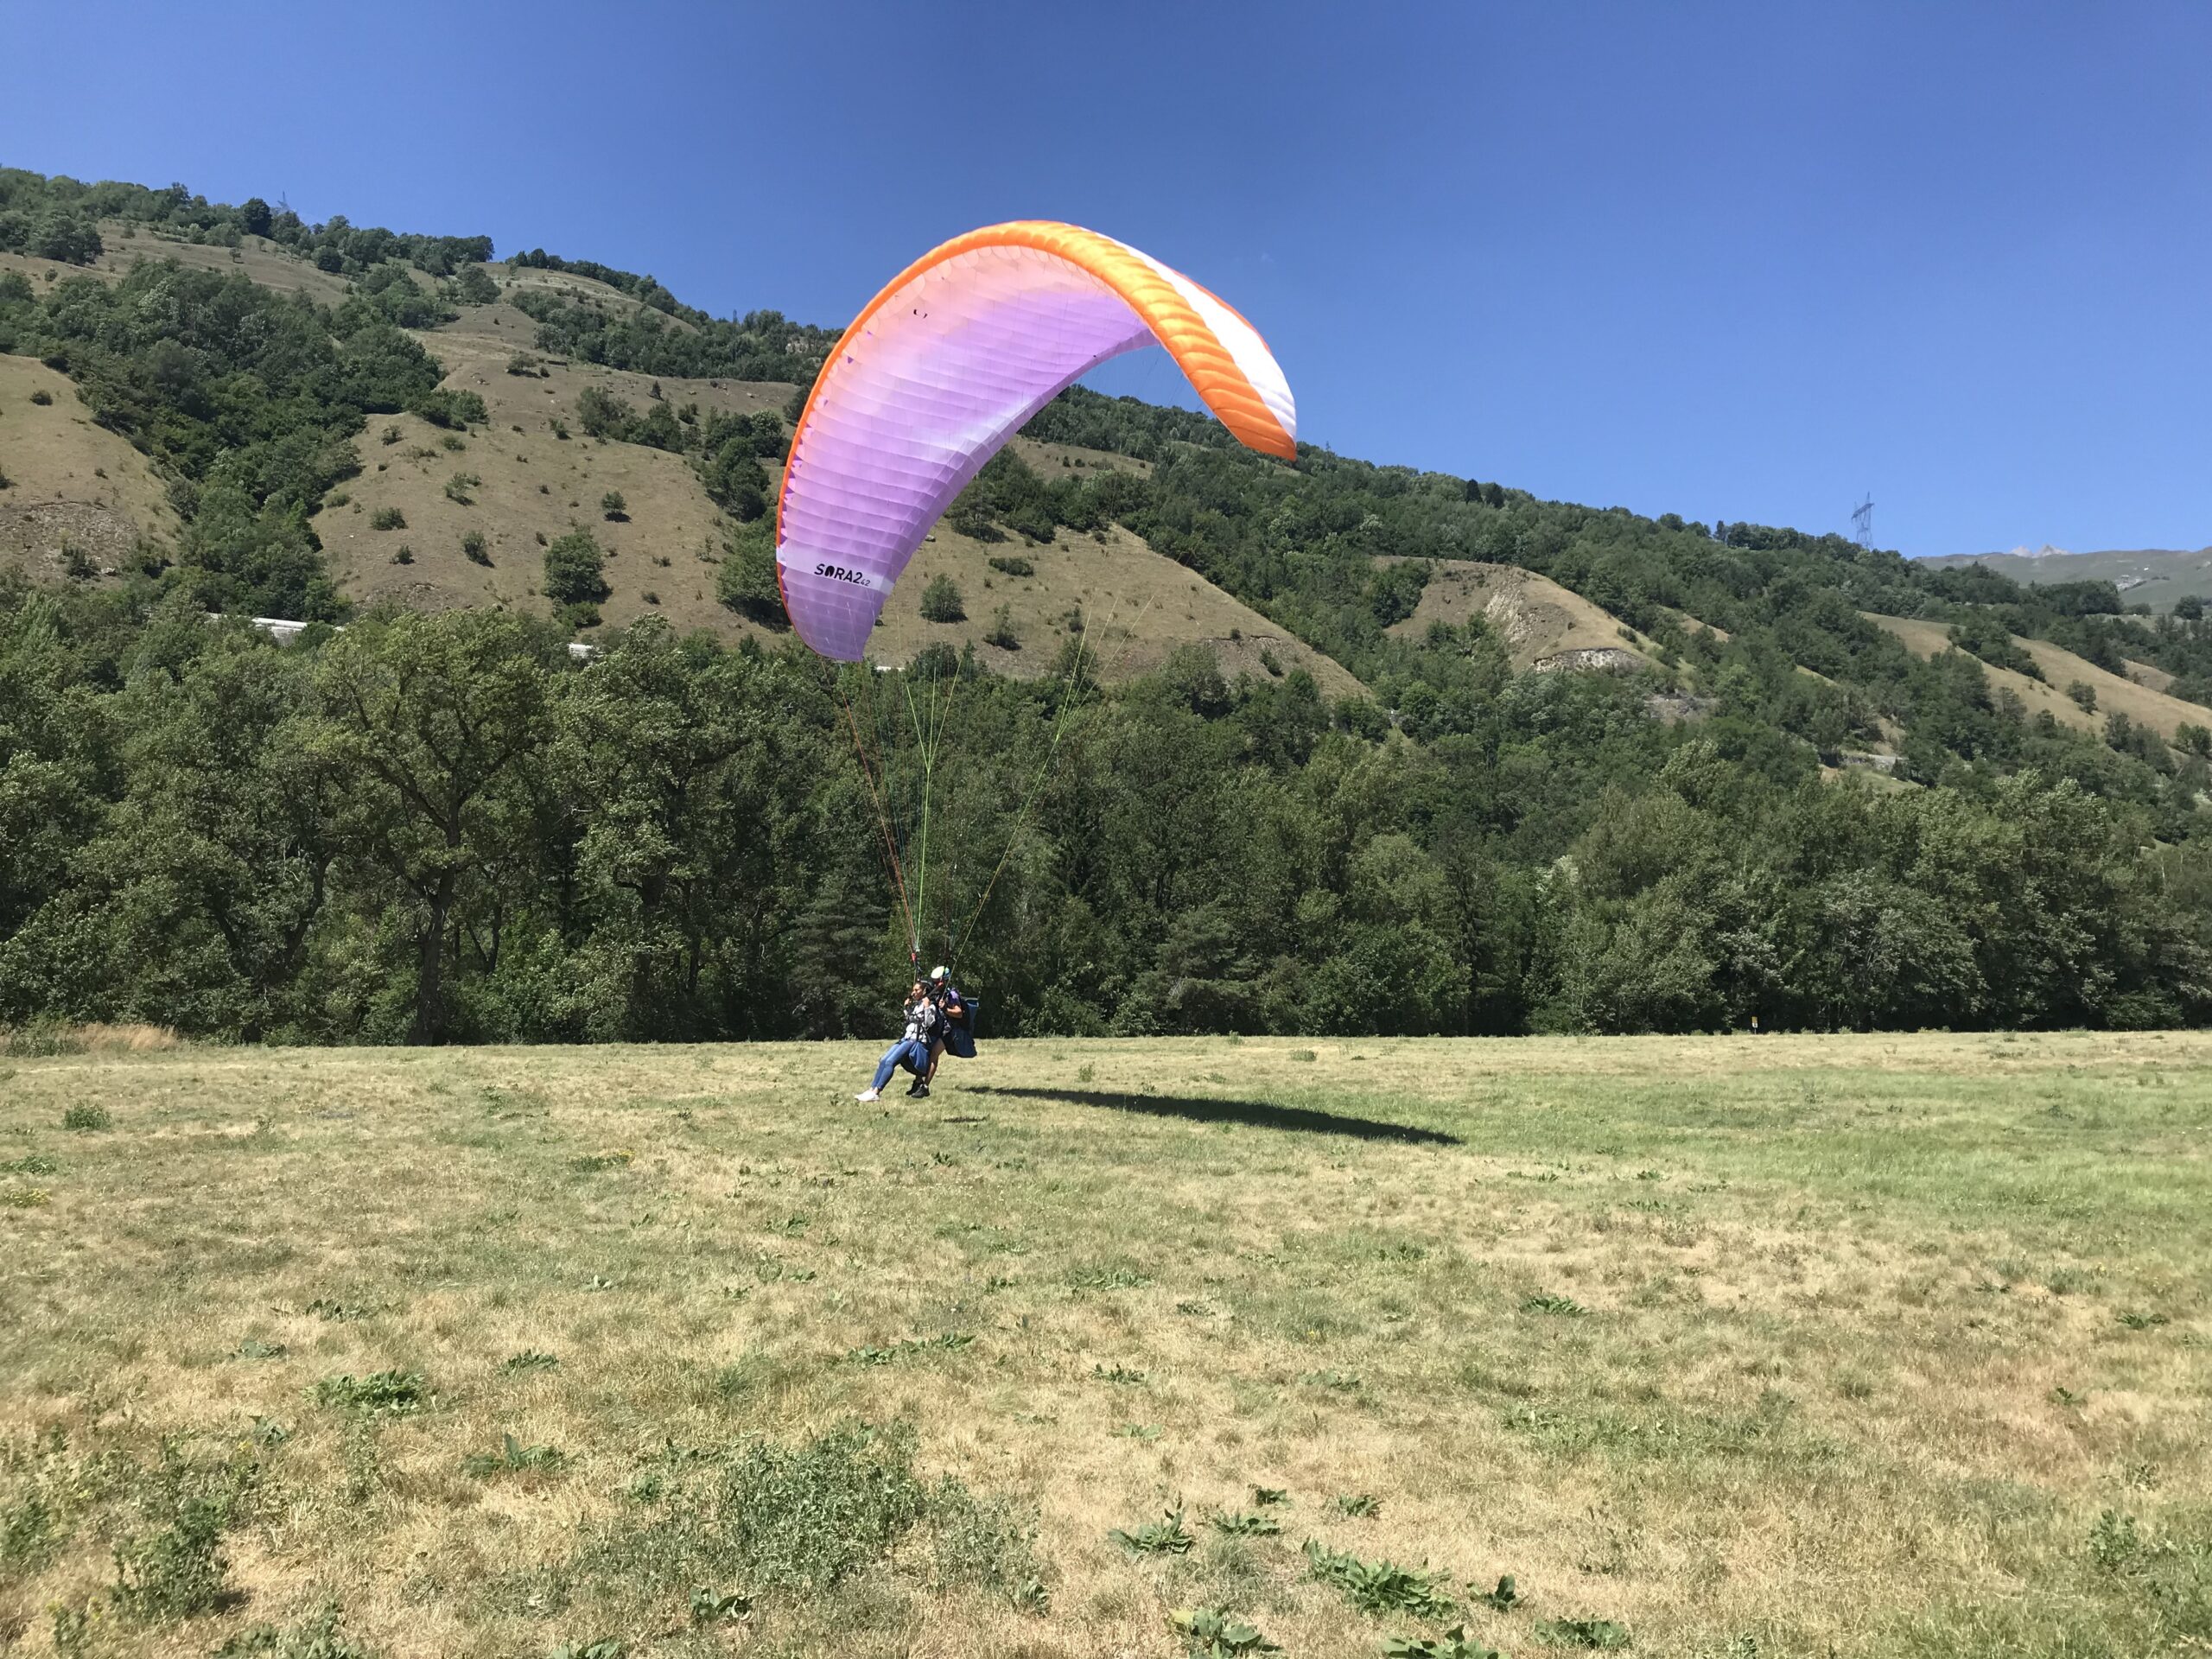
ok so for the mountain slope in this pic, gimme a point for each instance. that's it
(517, 482)
(663, 553)
(2144, 704)
(2152, 577)
(536, 484)
(544, 396)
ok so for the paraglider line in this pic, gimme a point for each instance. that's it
(1036, 784)
(929, 737)
(883, 822)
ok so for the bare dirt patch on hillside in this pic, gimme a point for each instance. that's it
(1536, 617)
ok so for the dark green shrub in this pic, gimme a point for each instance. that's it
(737, 485)
(319, 1636)
(452, 408)
(176, 1571)
(601, 414)
(575, 569)
(941, 602)
(1993, 642)
(746, 580)
(389, 1394)
(474, 286)
(69, 237)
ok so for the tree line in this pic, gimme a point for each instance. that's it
(442, 828)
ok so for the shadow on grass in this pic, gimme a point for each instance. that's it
(1204, 1109)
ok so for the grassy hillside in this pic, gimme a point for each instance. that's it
(2144, 704)
(537, 476)
(125, 244)
(79, 500)
(532, 486)
(663, 555)
(1141, 608)
(1822, 1349)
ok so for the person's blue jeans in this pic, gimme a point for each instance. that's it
(912, 1053)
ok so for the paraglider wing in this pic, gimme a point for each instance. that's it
(947, 364)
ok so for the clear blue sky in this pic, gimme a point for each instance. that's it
(1740, 261)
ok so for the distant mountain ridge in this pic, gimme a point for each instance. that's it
(2156, 576)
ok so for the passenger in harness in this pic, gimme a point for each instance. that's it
(955, 1029)
(912, 1050)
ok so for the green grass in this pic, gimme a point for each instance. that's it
(1889, 1345)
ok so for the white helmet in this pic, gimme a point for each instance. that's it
(937, 973)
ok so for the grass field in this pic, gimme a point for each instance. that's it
(1883, 1346)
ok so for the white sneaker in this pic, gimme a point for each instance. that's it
(867, 1095)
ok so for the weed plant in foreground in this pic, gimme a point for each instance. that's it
(1796, 1346)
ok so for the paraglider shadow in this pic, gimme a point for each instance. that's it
(1206, 1109)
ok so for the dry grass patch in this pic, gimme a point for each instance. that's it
(78, 499)
(96, 1039)
(1138, 606)
(1802, 1346)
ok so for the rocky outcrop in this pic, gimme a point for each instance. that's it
(1604, 658)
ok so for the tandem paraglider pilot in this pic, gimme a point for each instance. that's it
(955, 1030)
(939, 1019)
